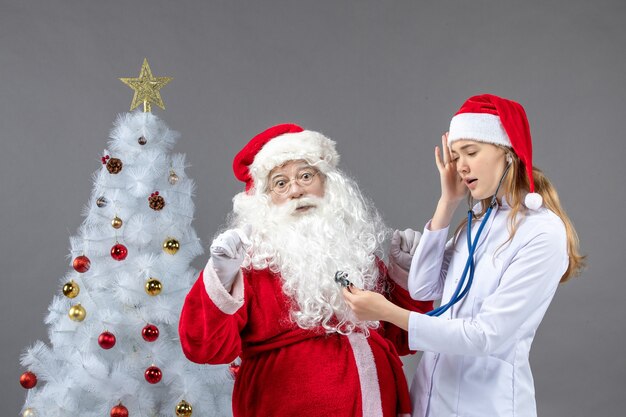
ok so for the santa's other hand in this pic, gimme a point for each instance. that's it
(402, 247)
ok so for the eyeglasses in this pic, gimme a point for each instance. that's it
(304, 178)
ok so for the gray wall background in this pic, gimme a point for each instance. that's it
(381, 78)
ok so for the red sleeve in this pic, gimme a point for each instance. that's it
(400, 297)
(207, 334)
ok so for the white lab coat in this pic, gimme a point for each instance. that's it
(475, 361)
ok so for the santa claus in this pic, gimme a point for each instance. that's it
(270, 296)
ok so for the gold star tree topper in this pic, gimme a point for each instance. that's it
(146, 88)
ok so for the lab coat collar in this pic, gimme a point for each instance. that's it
(504, 205)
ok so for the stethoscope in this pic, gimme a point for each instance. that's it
(460, 291)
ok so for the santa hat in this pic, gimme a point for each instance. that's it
(496, 120)
(279, 144)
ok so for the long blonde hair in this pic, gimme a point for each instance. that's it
(516, 187)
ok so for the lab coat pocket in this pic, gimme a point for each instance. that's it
(491, 390)
(498, 375)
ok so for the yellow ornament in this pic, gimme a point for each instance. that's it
(153, 287)
(29, 412)
(116, 222)
(77, 312)
(171, 245)
(183, 409)
(71, 289)
(146, 88)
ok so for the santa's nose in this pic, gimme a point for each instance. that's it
(296, 191)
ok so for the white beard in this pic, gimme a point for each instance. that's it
(341, 233)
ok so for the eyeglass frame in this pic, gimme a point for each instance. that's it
(295, 179)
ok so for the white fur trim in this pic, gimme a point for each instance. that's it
(368, 376)
(227, 303)
(482, 127)
(308, 145)
(533, 201)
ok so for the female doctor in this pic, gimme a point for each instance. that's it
(476, 344)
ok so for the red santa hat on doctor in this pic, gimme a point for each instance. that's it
(496, 120)
(277, 145)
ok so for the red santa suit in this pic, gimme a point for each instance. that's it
(286, 370)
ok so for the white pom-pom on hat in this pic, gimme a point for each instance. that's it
(533, 201)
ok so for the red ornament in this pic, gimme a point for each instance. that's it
(119, 252)
(150, 333)
(81, 263)
(234, 369)
(119, 411)
(28, 380)
(153, 374)
(106, 340)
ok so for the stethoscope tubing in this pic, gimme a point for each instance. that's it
(462, 289)
(469, 266)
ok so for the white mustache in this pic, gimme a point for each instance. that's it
(290, 207)
(308, 201)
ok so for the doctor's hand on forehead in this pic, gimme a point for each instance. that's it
(453, 189)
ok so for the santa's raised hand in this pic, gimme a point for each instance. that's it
(227, 254)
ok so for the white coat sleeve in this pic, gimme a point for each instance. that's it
(524, 293)
(430, 265)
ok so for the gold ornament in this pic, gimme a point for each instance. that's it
(146, 88)
(153, 287)
(173, 178)
(171, 245)
(116, 222)
(183, 409)
(29, 412)
(77, 312)
(71, 289)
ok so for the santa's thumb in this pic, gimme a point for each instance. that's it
(396, 240)
(244, 234)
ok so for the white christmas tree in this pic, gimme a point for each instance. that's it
(114, 347)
